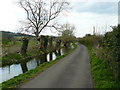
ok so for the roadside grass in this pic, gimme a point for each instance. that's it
(17, 80)
(102, 76)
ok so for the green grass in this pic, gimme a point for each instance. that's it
(102, 76)
(12, 83)
(13, 58)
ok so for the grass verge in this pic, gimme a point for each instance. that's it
(102, 76)
(14, 82)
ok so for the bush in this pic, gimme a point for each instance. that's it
(112, 44)
(92, 40)
(107, 48)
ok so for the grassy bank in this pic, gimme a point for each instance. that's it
(14, 82)
(15, 58)
(102, 76)
(11, 52)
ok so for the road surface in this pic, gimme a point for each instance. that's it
(73, 71)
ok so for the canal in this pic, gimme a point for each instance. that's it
(10, 71)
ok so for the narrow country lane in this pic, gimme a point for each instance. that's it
(73, 71)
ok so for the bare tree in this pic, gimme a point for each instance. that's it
(41, 13)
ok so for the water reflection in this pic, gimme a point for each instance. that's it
(56, 53)
(51, 56)
(16, 69)
(24, 67)
(31, 64)
(65, 50)
(10, 71)
(43, 58)
(59, 52)
(38, 61)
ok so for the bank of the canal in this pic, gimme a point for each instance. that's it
(9, 71)
(16, 58)
(38, 67)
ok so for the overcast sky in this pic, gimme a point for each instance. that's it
(84, 15)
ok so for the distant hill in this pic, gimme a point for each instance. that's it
(14, 34)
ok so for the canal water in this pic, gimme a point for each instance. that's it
(10, 71)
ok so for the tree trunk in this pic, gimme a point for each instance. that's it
(24, 46)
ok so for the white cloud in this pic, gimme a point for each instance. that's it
(93, 1)
(11, 14)
(84, 22)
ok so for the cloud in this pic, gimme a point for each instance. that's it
(97, 7)
(84, 15)
(93, 0)
(11, 14)
(85, 21)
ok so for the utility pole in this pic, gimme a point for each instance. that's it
(119, 12)
(93, 30)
